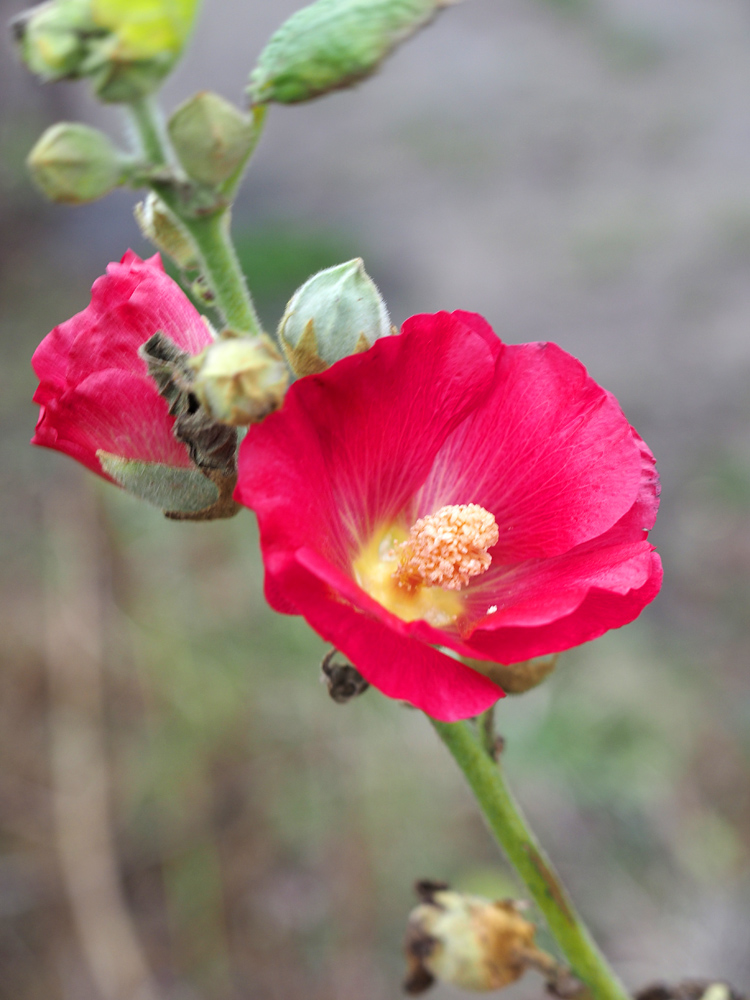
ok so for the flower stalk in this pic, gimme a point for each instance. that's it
(512, 831)
(222, 270)
(148, 125)
(208, 225)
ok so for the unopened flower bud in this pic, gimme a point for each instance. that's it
(211, 137)
(240, 380)
(126, 47)
(74, 163)
(337, 312)
(467, 941)
(50, 37)
(159, 226)
(334, 43)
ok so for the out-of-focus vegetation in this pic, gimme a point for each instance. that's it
(184, 813)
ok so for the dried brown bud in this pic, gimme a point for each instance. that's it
(164, 230)
(240, 380)
(344, 681)
(468, 941)
(690, 989)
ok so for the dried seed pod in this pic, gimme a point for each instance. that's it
(468, 941)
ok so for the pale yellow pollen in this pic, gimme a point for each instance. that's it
(447, 548)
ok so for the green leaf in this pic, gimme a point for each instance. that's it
(333, 44)
(165, 486)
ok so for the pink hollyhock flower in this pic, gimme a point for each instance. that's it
(444, 489)
(96, 397)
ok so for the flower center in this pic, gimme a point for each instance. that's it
(447, 548)
(417, 574)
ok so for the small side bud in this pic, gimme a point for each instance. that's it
(240, 380)
(467, 941)
(50, 37)
(334, 43)
(211, 137)
(162, 229)
(337, 312)
(74, 164)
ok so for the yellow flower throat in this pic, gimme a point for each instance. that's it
(419, 573)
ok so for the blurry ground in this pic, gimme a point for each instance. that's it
(575, 171)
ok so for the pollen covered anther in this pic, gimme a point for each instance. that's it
(447, 548)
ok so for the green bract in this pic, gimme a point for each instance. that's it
(334, 43)
(185, 491)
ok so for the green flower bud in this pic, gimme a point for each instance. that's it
(126, 47)
(159, 226)
(469, 942)
(51, 37)
(146, 29)
(333, 44)
(74, 164)
(335, 313)
(240, 380)
(211, 137)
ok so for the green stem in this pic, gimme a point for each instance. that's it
(222, 270)
(147, 120)
(512, 831)
(209, 228)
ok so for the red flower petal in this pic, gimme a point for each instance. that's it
(399, 666)
(94, 389)
(340, 458)
(548, 452)
(113, 411)
(444, 414)
(537, 591)
(600, 611)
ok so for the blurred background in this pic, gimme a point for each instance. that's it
(184, 814)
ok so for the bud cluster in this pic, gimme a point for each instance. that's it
(125, 48)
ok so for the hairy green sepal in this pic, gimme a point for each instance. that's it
(167, 487)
